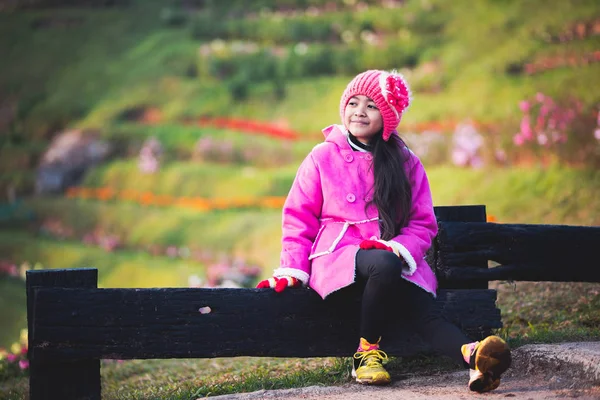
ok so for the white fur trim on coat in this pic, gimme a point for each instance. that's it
(403, 252)
(293, 272)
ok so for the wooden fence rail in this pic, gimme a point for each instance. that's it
(73, 324)
(556, 253)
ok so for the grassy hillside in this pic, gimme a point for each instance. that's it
(537, 196)
(85, 67)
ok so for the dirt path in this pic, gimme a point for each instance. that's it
(558, 371)
(444, 386)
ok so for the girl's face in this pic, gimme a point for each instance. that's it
(362, 118)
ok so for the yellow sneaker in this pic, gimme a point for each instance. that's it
(368, 367)
(488, 360)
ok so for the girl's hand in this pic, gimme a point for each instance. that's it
(279, 283)
(375, 244)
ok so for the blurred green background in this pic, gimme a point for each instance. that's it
(155, 140)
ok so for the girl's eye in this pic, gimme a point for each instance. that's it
(371, 106)
(351, 103)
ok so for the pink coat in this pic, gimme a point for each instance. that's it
(324, 218)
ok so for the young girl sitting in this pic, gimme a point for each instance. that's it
(360, 213)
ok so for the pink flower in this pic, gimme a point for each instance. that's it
(477, 162)
(526, 129)
(460, 158)
(597, 134)
(540, 96)
(11, 358)
(172, 251)
(518, 139)
(525, 106)
(500, 155)
(540, 121)
(24, 364)
(559, 137)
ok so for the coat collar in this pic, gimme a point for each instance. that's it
(337, 134)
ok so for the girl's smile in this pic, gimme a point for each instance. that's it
(362, 118)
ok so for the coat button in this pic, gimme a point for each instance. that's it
(350, 197)
(368, 157)
(373, 238)
(348, 158)
(368, 198)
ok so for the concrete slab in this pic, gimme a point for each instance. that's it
(579, 361)
(539, 371)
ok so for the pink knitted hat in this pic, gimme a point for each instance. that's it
(388, 90)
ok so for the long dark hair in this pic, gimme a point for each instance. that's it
(392, 193)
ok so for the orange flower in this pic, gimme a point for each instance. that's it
(128, 194)
(104, 193)
(272, 202)
(163, 200)
(86, 193)
(72, 192)
(201, 204)
(197, 203)
(146, 198)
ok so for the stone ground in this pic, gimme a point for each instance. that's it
(566, 370)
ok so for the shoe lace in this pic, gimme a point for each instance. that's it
(371, 358)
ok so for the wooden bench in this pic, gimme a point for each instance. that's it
(73, 324)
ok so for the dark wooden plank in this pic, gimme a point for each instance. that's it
(166, 323)
(467, 213)
(53, 378)
(470, 213)
(559, 253)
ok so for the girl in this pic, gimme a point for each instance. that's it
(360, 214)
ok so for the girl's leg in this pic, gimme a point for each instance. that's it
(378, 273)
(487, 359)
(418, 307)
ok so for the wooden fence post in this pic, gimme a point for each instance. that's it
(472, 213)
(56, 379)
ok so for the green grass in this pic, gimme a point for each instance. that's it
(110, 60)
(12, 291)
(116, 269)
(250, 234)
(184, 379)
(553, 195)
(545, 312)
(69, 67)
(87, 68)
(532, 196)
(208, 180)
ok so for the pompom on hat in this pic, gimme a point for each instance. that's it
(388, 90)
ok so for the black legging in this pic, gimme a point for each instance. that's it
(378, 271)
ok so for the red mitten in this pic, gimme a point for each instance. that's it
(279, 283)
(374, 244)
